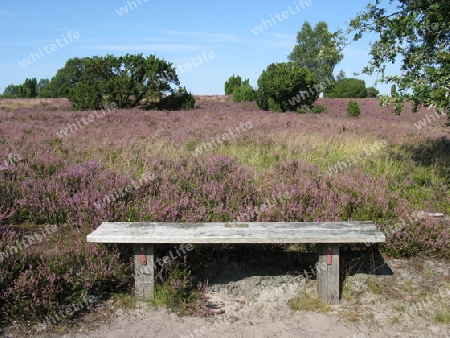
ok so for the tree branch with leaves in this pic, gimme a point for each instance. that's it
(416, 33)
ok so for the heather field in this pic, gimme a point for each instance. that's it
(62, 173)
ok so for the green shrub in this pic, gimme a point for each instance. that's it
(261, 100)
(286, 86)
(274, 106)
(316, 109)
(393, 91)
(176, 290)
(348, 88)
(303, 110)
(353, 109)
(372, 92)
(233, 81)
(179, 100)
(244, 93)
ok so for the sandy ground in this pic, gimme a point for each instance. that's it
(253, 303)
(160, 324)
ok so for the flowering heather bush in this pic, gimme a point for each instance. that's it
(429, 235)
(322, 198)
(43, 277)
(9, 236)
(192, 190)
(60, 181)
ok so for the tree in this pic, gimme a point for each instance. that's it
(178, 100)
(347, 88)
(241, 90)
(66, 78)
(341, 75)
(417, 34)
(42, 88)
(26, 90)
(286, 86)
(318, 50)
(233, 81)
(244, 92)
(11, 91)
(29, 88)
(128, 81)
(393, 90)
(372, 92)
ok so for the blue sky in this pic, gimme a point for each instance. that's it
(216, 35)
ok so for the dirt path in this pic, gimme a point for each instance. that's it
(160, 324)
(402, 304)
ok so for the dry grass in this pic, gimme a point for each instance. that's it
(42, 103)
(351, 316)
(347, 292)
(442, 316)
(306, 302)
(125, 300)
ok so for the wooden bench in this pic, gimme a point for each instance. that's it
(327, 236)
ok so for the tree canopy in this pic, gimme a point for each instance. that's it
(128, 81)
(318, 50)
(286, 86)
(30, 88)
(416, 33)
(231, 83)
(11, 91)
(347, 88)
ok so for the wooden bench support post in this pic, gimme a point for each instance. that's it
(328, 273)
(144, 271)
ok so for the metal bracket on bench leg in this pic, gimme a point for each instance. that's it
(143, 255)
(329, 254)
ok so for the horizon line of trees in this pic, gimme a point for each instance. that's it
(296, 84)
(416, 33)
(93, 82)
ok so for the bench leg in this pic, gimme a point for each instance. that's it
(328, 273)
(144, 271)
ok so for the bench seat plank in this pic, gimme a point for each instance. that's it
(236, 232)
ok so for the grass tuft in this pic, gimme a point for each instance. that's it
(177, 292)
(442, 316)
(125, 300)
(307, 302)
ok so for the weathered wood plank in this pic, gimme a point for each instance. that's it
(144, 271)
(237, 232)
(328, 273)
